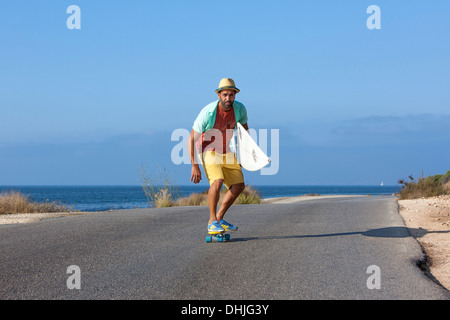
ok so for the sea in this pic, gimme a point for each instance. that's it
(104, 198)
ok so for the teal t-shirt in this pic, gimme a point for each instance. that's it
(207, 117)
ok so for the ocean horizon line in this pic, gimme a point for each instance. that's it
(196, 185)
(106, 197)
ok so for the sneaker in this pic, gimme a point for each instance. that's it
(228, 226)
(215, 228)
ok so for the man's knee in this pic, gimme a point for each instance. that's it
(216, 185)
(238, 188)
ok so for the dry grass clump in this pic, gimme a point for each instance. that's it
(161, 191)
(249, 196)
(195, 199)
(447, 187)
(15, 202)
(164, 198)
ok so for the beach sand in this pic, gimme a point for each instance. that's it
(34, 217)
(427, 219)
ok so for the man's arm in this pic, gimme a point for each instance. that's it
(196, 174)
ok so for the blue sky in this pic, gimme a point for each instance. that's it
(353, 105)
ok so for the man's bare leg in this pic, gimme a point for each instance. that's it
(213, 198)
(229, 198)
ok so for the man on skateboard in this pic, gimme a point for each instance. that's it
(211, 133)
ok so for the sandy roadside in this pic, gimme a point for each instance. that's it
(303, 198)
(428, 220)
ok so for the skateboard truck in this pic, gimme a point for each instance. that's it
(219, 237)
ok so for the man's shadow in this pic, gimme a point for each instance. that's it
(388, 232)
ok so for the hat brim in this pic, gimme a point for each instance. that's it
(227, 88)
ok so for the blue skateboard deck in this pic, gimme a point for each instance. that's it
(219, 237)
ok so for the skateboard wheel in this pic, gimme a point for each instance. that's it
(227, 237)
(219, 239)
(208, 239)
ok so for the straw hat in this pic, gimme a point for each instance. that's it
(227, 84)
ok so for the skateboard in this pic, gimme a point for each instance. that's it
(219, 237)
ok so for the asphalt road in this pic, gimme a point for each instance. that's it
(319, 249)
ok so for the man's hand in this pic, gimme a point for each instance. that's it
(196, 174)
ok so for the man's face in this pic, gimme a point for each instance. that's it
(226, 98)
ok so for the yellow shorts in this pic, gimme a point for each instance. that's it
(222, 166)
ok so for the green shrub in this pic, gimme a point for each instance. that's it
(446, 178)
(431, 186)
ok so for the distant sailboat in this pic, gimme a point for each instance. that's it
(382, 184)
